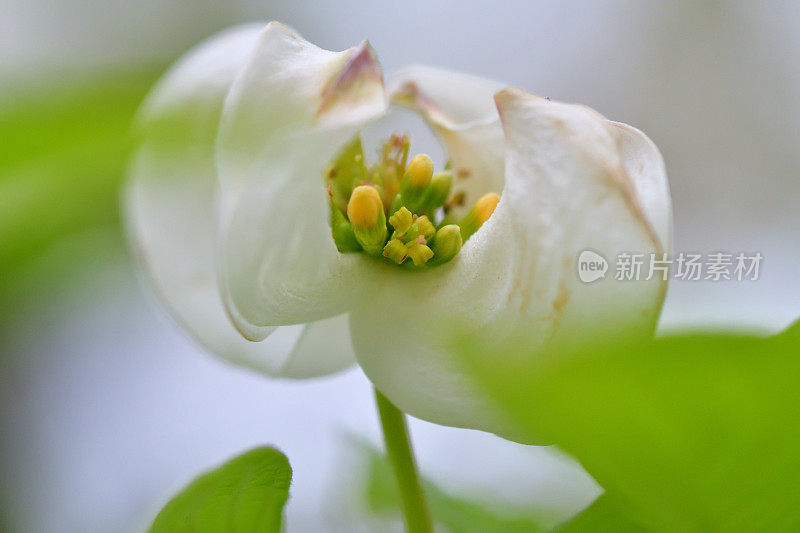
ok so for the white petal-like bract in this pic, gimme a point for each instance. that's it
(568, 189)
(227, 209)
(171, 216)
(289, 111)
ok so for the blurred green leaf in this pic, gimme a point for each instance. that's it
(64, 151)
(697, 432)
(458, 515)
(245, 494)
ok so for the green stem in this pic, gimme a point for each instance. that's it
(398, 447)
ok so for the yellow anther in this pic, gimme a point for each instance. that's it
(415, 182)
(419, 252)
(478, 215)
(395, 250)
(364, 207)
(419, 171)
(401, 220)
(485, 207)
(365, 211)
(425, 227)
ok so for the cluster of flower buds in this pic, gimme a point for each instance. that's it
(397, 209)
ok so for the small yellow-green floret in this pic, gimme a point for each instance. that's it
(396, 210)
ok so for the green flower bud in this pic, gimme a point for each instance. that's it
(437, 192)
(342, 232)
(446, 244)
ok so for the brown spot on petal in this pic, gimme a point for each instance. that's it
(562, 296)
(561, 299)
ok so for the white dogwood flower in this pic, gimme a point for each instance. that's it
(252, 207)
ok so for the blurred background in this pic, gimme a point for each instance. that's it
(107, 408)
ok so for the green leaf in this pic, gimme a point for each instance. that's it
(245, 494)
(696, 432)
(458, 515)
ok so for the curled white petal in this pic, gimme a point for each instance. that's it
(567, 189)
(169, 201)
(645, 168)
(171, 217)
(444, 97)
(289, 111)
(460, 109)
